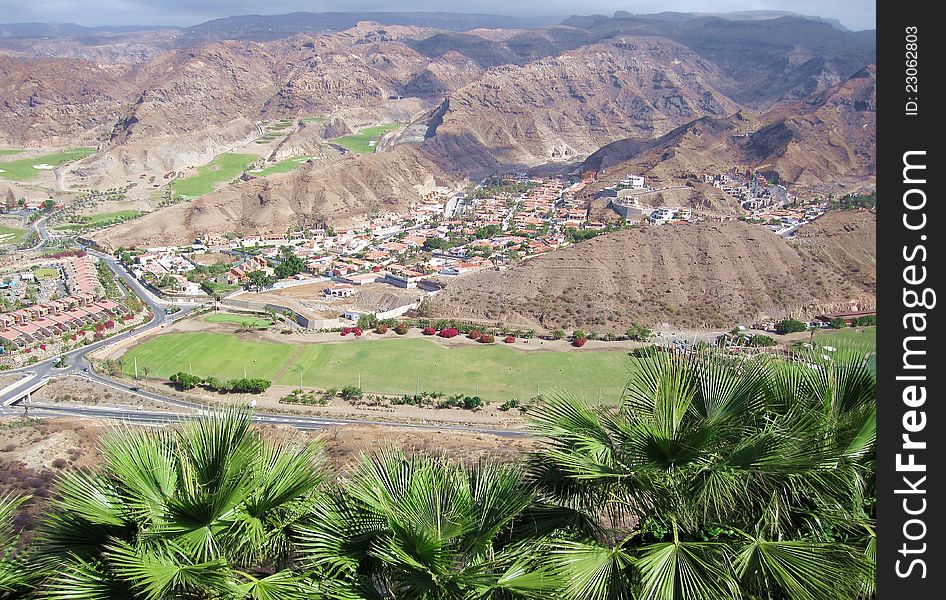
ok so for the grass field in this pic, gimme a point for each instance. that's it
(12, 235)
(360, 142)
(224, 167)
(22, 169)
(220, 288)
(46, 273)
(252, 321)
(860, 336)
(103, 219)
(391, 366)
(4, 152)
(283, 166)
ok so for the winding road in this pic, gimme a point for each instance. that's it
(77, 364)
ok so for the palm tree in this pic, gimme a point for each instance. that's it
(718, 478)
(427, 528)
(16, 576)
(208, 510)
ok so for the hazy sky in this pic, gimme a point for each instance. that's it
(854, 14)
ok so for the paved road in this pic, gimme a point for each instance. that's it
(78, 365)
(77, 359)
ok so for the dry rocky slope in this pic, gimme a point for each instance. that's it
(707, 275)
(824, 142)
(489, 99)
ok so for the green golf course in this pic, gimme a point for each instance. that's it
(26, 169)
(283, 166)
(361, 142)
(250, 320)
(222, 168)
(858, 336)
(389, 366)
(101, 219)
(12, 235)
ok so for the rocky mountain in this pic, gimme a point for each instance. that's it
(59, 101)
(767, 61)
(822, 143)
(320, 193)
(707, 275)
(568, 106)
(273, 27)
(668, 94)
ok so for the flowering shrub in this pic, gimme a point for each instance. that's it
(381, 329)
(429, 330)
(28, 350)
(357, 331)
(475, 334)
(509, 339)
(449, 332)
(486, 339)
(401, 328)
(578, 342)
(42, 346)
(346, 330)
(110, 324)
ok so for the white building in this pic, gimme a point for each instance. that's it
(635, 182)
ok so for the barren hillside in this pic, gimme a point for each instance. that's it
(700, 275)
(312, 194)
(845, 241)
(825, 142)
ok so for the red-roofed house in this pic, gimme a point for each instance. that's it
(16, 337)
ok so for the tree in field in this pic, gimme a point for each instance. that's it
(424, 528)
(789, 326)
(186, 381)
(367, 321)
(718, 478)
(289, 264)
(638, 332)
(209, 510)
(259, 280)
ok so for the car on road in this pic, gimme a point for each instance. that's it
(85, 369)
(134, 388)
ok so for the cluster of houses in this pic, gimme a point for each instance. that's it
(625, 196)
(85, 305)
(752, 189)
(458, 234)
(386, 246)
(665, 215)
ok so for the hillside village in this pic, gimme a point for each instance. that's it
(69, 300)
(387, 265)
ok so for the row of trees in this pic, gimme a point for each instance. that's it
(794, 325)
(243, 385)
(715, 478)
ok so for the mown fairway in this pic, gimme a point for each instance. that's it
(283, 166)
(361, 142)
(391, 366)
(225, 167)
(12, 235)
(24, 168)
(103, 219)
(238, 319)
(865, 337)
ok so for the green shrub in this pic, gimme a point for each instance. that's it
(790, 326)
